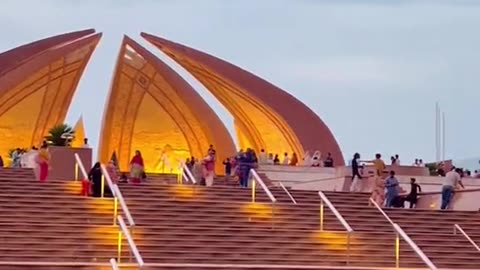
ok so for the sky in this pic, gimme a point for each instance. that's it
(371, 69)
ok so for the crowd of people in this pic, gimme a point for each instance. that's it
(387, 190)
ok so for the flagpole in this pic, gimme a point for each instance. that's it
(437, 139)
(443, 135)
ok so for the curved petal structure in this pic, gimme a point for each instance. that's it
(265, 116)
(37, 83)
(152, 109)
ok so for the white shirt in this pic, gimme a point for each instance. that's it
(451, 179)
(262, 158)
(85, 145)
(285, 160)
(397, 162)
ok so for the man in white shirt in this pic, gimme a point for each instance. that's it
(85, 143)
(450, 182)
(262, 157)
(285, 159)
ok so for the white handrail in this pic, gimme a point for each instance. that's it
(457, 227)
(414, 246)
(203, 265)
(81, 166)
(335, 212)
(113, 264)
(118, 194)
(109, 181)
(130, 241)
(381, 211)
(186, 173)
(124, 206)
(405, 237)
(189, 173)
(288, 193)
(257, 178)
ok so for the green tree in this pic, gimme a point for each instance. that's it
(59, 135)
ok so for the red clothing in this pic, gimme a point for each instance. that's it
(43, 171)
(137, 160)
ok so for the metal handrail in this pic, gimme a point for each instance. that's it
(404, 235)
(186, 173)
(324, 199)
(256, 178)
(457, 227)
(131, 243)
(202, 265)
(124, 206)
(117, 194)
(334, 210)
(113, 264)
(288, 193)
(79, 165)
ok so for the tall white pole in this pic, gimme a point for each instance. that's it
(443, 135)
(437, 137)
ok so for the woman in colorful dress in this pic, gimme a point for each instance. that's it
(43, 161)
(136, 168)
(208, 167)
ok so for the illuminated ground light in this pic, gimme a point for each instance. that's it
(73, 187)
(103, 206)
(335, 241)
(184, 191)
(259, 210)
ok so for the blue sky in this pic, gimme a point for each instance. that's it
(371, 69)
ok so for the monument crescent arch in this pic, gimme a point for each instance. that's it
(152, 109)
(37, 83)
(265, 116)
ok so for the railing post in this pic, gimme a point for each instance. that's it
(115, 210)
(273, 215)
(76, 171)
(348, 248)
(102, 186)
(119, 247)
(454, 230)
(254, 188)
(321, 215)
(397, 250)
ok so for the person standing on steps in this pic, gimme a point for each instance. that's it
(412, 197)
(450, 182)
(391, 186)
(356, 185)
(43, 161)
(136, 168)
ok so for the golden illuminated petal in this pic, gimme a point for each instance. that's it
(265, 116)
(37, 83)
(152, 109)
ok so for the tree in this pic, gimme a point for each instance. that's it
(60, 135)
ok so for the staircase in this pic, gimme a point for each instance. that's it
(50, 222)
(431, 230)
(218, 225)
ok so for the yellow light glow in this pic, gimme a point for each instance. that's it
(258, 210)
(184, 191)
(73, 188)
(335, 241)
